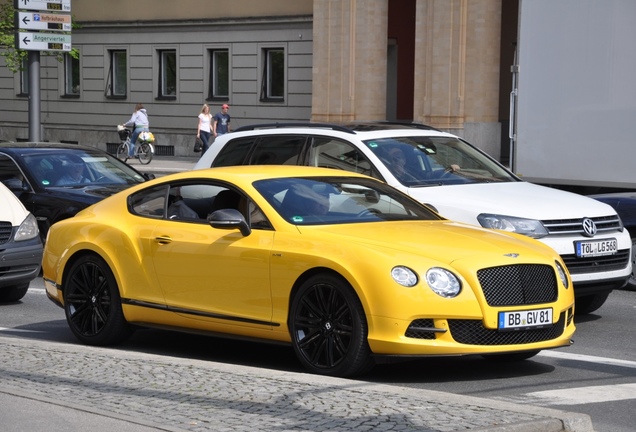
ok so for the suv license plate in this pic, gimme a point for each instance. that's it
(525, 319)
(596, 248)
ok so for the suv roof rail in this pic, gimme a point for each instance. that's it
(292, 125)
(377, 124)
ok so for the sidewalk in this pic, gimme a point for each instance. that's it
(163, 165)
(149, 391)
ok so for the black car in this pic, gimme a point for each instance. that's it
(625, 205)
(55, 181)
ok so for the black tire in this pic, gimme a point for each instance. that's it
(13, 293)
(511, 357)
(145, 153)
(329, 329)
(589, 303)
(122, 152)
(92, 303)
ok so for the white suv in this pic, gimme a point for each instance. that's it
(459, 181)
(20, 247)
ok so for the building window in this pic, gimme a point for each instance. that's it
(219, 85)
(117, 82)
(167, 74)
(71, 75)
(24, 77)
(273, 80)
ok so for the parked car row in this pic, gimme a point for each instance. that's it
(337, 262)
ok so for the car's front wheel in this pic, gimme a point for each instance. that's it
(13, 293)
(328, 327)
(589, 303)
(92, 303)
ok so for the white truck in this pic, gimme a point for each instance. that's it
(575, 96)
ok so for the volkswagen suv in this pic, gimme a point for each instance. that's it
(459, 181)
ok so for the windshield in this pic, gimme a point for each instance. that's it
(432, 161)
(70, 167)
(339, 200)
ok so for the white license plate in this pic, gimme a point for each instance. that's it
(525, 319)
(596, 248)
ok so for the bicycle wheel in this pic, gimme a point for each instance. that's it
(145, 153)
(122, 152)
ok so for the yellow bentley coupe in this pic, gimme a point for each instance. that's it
(344, 268)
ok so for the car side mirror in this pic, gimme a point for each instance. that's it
(149, 176)
(229, 219)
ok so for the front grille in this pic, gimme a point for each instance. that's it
(472, 332)
(575, 226)
(5, 232)
(520, 284)
(598, 264)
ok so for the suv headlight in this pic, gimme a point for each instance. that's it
(530, 227)
(28, 229)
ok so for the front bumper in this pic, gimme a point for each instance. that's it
(20, 262)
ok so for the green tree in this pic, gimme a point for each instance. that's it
(14, 58)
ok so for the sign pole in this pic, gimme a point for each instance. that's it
(34, 96)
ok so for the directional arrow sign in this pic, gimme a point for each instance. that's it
(47, 5)
(43, 41)
(43, 21)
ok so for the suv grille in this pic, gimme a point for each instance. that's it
(597, 264)
(520, 284)
(5, 232)
(472, 332)
(575, 226)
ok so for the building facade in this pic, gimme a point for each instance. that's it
(438, 62)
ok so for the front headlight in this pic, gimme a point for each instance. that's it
(443, 282)
(404, 276)
(530, 227)
(562, 274)
(28, 229)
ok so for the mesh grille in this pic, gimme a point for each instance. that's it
(597, 264)
(472, 332)
(522, 284)
(5, 232)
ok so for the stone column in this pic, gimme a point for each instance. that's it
(349, 60)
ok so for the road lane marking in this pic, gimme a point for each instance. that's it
(576, 396)
(587, 358)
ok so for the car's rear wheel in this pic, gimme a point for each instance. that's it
(589, 303)
(92, 303)
(328, 328)
(13, 293)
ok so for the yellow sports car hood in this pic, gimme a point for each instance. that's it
(443, 241)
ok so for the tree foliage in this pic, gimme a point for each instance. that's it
(14, 58)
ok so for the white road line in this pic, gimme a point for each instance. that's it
(587, 358)
(37, 290)
(577, 395)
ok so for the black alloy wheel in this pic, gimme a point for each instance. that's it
(329, 329)
(92, 303)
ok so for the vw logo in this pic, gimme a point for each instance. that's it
(589, 227)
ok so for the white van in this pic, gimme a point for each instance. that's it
(459, 181)
(20, 247)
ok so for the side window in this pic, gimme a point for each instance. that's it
(234, 152)
(149, 202)
(167, 74)
(279, 150)
(10, 174)
(333, 153)
(71, 75)
(219, 81)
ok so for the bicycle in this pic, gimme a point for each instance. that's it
(144, 150)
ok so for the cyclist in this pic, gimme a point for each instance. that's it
(141, 124)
